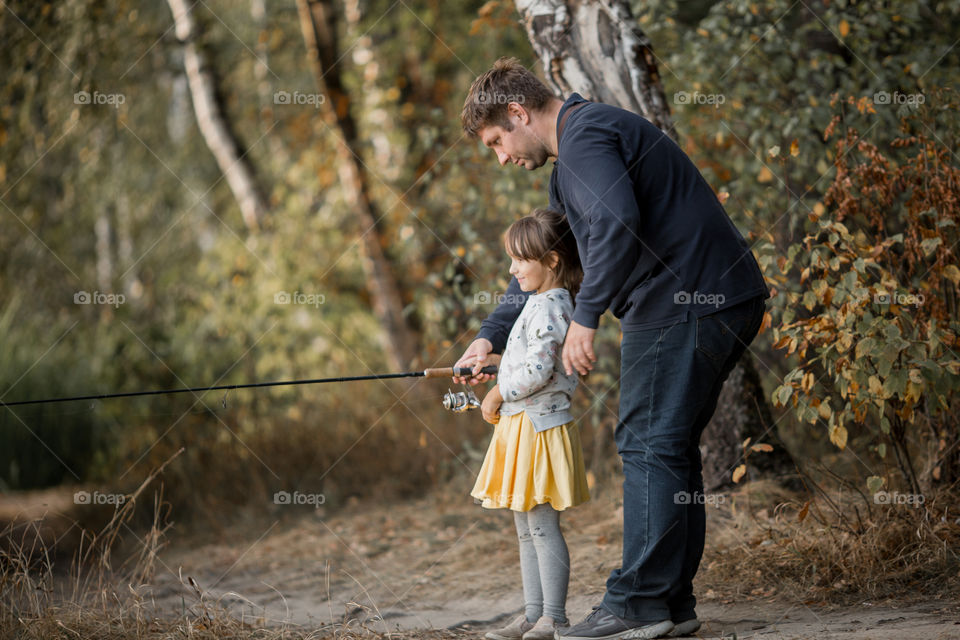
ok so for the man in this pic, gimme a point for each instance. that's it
(658, 250)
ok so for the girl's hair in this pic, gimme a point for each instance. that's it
(535, 236)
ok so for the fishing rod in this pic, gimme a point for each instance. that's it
(457, 402)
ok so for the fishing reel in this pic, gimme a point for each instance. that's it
(460, 401)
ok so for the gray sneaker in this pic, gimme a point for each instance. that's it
(545, 629)
(513, 631)
(685, 628)
(604, 625)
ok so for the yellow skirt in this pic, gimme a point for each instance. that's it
(524, 468)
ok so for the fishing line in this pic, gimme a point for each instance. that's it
(443, 372)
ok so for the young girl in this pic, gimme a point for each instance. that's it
(534, 464)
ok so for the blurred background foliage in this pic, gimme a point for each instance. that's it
(127, 199)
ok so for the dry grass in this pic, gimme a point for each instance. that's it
(832, 549)
(37, 602)
(757, 546)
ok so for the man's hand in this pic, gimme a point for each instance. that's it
(490, 407)
(477, 356)
(578, 349)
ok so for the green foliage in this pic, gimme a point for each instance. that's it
(199, 288)
(43, 444)
(125, 198)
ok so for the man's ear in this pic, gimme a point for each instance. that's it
(517, 110)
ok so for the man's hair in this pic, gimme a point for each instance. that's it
(508, 81)
(535, 236)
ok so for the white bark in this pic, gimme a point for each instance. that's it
(102, 232)
(318, 21)
(595, 48)
(212, 123)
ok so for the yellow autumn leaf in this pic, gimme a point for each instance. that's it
(914, 391)
(953, 273)
(738, 473)
(838, 436)
(824, 410)
(845, 341)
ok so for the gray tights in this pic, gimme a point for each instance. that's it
(544, 563)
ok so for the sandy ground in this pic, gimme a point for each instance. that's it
(447, 563)
(444, 563)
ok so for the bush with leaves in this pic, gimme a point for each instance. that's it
(868, 306)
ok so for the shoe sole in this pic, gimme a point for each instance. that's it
(649, 632)
(685, 628)
(539, 636)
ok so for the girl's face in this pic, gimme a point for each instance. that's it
(533, 275)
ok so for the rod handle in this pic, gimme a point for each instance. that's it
(449, 372)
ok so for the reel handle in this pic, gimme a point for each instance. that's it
(449, 372)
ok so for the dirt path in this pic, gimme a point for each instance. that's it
(445, 563)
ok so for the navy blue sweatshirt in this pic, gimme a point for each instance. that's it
(655, 243)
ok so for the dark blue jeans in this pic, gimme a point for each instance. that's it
(670, 379)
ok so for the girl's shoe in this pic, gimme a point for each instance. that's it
(513, 631)
(544, 629)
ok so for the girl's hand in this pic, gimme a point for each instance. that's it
(490, 407)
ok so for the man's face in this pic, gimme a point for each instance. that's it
(519, 146)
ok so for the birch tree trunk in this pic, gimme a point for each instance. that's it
(596, 48)
(318, 21)
(211, 121)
